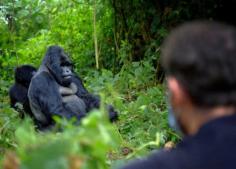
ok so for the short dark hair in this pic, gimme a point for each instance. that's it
(201, 55)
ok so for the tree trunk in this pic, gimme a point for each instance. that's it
(95, 36)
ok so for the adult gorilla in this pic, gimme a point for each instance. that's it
(56, 90)
(18, 91)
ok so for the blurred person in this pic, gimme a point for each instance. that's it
(200, 63)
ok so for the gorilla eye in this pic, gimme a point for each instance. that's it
(66, 64)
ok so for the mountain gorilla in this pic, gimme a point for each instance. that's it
(56, 90)
(18, 92)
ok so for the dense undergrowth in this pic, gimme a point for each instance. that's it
(115, 47)
(96, 143)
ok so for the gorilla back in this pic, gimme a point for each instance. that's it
(18, 92)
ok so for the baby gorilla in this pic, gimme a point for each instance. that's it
(18, 92)
(56, 90)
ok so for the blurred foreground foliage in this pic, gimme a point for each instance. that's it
(128, 36)
(74, 147)
(95, 143)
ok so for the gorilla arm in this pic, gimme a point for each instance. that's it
(45, 99)
(70, 90)
(92, 101)
(17, 93)
(71, 101)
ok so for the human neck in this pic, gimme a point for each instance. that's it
(198, 117)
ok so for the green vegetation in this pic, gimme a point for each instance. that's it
(115, 46)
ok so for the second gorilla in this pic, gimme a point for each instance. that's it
(56, 90)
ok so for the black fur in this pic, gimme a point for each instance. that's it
(18, 91)
(92, 101)
(44, 94)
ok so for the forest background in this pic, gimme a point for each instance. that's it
(115, 46)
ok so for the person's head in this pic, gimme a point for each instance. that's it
(200, 63)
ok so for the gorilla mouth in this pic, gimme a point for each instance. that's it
(67, 77)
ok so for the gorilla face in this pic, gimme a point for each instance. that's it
(24, 74)
(66, 71)
(59, 65)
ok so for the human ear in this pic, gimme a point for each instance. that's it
(177, 93)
